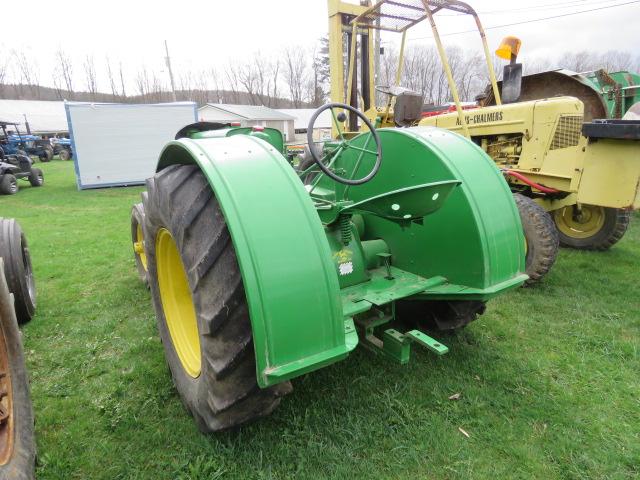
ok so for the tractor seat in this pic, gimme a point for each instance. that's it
(408, 105)
(409, 203)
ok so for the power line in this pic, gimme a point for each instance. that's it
(530, 21)
(547, 6)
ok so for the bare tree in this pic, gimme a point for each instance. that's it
(112, 80)
(319, 79)
(615, 60)
(535, 65)
(4, 71)
(124, 92)
(294, 73)
(246, 76)
(262, 69)
(218, 85)
(275, 70)
(579, 61)
(28, 71)
(233, 83)
(90, 76)
(57, 85)
(142, 83)
(66, 71)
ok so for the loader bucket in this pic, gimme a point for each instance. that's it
(559, 83)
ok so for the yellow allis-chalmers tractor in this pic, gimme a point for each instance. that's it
(575, 183)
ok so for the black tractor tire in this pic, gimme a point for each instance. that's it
(225, 394)
(137, 240)
(441, 315)
(17, 268)
(48, 152)
(17, 454)
(306, 161)
(36, 177)
(541, 238)
(616, 222)
(8, 184)
(64, 154)
(45, 157)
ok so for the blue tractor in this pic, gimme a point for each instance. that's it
(63, 149)
(13, 142)
(15, 164)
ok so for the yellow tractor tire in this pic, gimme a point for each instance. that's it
(17, 438)
(591, 227)
(201, 308)
(137, 240)
(541, 238)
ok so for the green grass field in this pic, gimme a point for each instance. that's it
(549, 377)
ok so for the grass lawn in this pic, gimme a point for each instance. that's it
(549, 377)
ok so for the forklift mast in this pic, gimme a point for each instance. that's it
(341, 39)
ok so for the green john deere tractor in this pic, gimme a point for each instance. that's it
(257, 278)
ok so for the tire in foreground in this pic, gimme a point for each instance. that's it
(200, 304)
(17, 439)
(17, 268)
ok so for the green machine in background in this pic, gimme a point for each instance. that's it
(258, 277)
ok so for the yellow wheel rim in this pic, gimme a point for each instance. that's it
(586, 224)
(138, 246)
(177, 303)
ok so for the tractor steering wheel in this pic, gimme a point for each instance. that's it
(328, 158)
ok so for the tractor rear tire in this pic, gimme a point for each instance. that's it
(609, 228)
(17, 439)
(306, 161)
(17, 268)
(541, 237)
(8, 184)
(137, 239)
(36, 177)
(64, 154)
(442, 315)
(186, 236)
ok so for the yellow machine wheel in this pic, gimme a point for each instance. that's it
(137, 240)
(590, 227)
(198, 295)
(177, 303)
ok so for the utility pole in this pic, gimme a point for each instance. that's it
(167, 60)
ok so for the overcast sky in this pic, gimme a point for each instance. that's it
(209, 33)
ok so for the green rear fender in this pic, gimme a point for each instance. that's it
(290, 284)
(475, 240)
